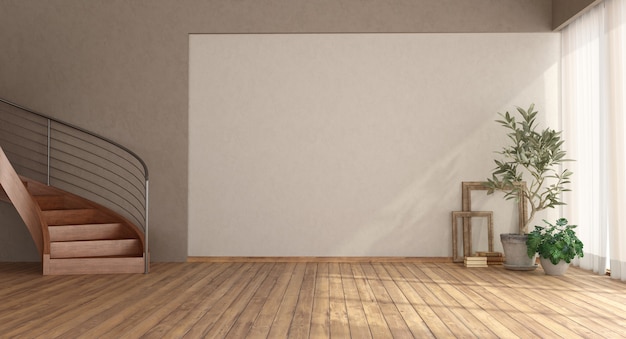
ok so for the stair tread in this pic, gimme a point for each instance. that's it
(60, 210)
(93, 224)
(99, 240)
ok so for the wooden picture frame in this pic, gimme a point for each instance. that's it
(466, 192)
(467, 240)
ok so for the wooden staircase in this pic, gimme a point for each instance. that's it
(72, 234)
(77, 236)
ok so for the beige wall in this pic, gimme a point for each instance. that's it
(352, 144)
(120, 68)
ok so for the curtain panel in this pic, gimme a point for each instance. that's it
(593, 70)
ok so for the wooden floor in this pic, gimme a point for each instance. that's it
(311, 300)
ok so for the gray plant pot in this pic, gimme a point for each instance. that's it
(552, 269)
(516, 253)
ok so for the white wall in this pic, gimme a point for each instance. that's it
(351, 144)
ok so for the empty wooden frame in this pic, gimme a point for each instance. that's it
(467, 234)
(469, 186)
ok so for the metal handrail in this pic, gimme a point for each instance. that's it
(77, 160)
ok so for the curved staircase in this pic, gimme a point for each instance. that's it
(73, 234)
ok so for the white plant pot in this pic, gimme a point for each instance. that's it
(552, 269)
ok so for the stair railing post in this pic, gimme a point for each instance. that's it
(146, 252)
(48, 154)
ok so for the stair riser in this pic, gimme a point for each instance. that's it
(93, 266)
(88, 232)
(100, 248)
(75, 217)
(56, 202)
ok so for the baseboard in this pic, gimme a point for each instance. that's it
(225, 259)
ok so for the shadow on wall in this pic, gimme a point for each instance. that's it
(392, 228)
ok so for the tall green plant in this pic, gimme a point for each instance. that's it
(534, 158)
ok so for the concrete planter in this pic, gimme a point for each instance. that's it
(515, 252)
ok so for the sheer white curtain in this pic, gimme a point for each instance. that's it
(593, 107)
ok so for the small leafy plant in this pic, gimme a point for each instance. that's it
(534, 158)
(555, 242)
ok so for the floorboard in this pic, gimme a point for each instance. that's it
(352, 299)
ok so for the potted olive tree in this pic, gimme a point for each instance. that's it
(556, 245)
(534, 158)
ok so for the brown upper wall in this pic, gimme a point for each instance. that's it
(565, 10)
(369, 16)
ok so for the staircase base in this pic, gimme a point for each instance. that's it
(93, 265)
